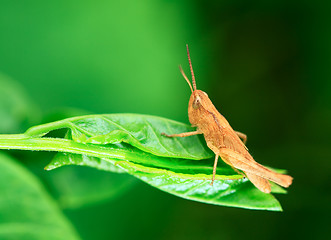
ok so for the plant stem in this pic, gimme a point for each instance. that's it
(23, 142)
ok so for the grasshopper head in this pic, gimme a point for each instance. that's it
(198, 106)
(199, 101)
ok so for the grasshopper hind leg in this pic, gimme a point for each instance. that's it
(214, 169)
(261, 183)
(215, 166)
(243, 136)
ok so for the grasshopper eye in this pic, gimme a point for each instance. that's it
(196, 103)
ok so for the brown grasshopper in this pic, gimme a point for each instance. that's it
(224, 141)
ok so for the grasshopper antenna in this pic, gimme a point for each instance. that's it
(188, 81)
(192, 73)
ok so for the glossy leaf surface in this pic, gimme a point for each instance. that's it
(133, 143)
(140, 131)
(228, 190)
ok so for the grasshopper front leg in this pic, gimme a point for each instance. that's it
(186, 134)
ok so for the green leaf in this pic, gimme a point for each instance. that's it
(80, 187)
(232, 193)
(140, 131)
(237, 192)
(115, 154)
(26, 210)
(85, 186)
(134, 144)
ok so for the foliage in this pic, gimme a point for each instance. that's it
(133, 143)
(27, 211)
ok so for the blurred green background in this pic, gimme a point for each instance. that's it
(266, 65)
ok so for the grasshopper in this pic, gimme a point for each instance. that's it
(224, 141)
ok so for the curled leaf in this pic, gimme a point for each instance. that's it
(133, 143)
(140, 131)
(229, 189)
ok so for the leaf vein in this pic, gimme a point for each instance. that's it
(176, 139)
(157, 137)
